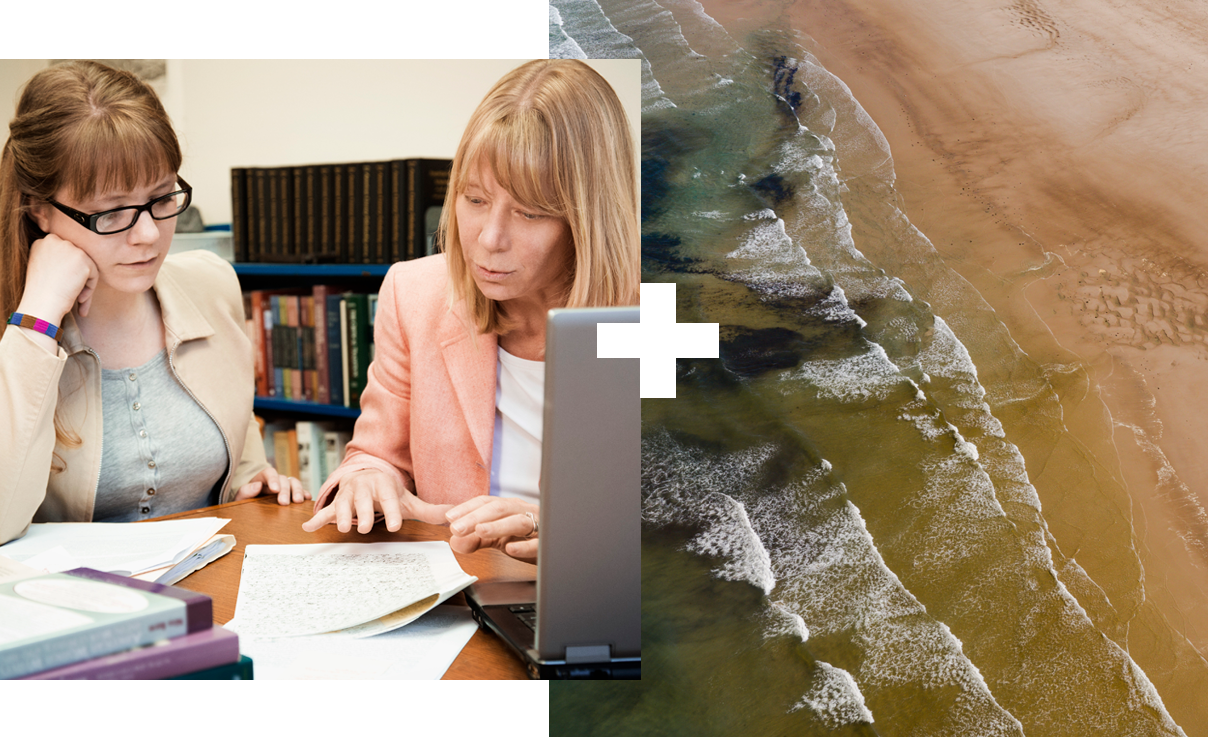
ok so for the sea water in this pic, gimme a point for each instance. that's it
(840, 533)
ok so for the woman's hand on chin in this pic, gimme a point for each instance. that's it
(504, 523)
(366, 493)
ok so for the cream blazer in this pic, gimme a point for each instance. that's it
(428, 408)
(209, 352)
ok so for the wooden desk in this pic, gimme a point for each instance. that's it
(263, 521)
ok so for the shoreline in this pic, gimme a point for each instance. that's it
(1050, 155)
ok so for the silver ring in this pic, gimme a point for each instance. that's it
(534, 521)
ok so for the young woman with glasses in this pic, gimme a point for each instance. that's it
(541, 213)
(125, 374)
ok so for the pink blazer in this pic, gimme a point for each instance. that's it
(428, 410)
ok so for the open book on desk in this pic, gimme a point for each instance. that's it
(358, 589)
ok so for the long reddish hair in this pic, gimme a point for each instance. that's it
(82, 128)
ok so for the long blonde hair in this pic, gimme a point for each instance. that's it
(85, 128)
(556, 138)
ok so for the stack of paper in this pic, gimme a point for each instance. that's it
(308, 611)
(115, 547)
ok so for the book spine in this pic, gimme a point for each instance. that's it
(325, 225)
(240, 670)
(285, 178)
(298, 229)
(415, 247)
(239, 213)
(306, 312)
(281, 451)
(381, 215)
(318, 458)
(199, 609)
(291, 450)
(294, 367)
(164, 659)
(346, 369)
(304, 432)
(270, 382)
(274, 214)
(139, 629)
(261, 242)
(312, 212)
(356, 239)
(339, 203)
(322, 371)
(335, 379)
(280, 338)
(433, 188)
(335, 443)
(358, 345)
(398, 210)
(368, 213)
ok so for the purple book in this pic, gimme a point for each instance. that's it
(186, 654)
(199, 609)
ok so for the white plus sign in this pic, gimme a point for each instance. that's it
(657, 340)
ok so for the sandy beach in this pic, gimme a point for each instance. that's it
(1053, 154)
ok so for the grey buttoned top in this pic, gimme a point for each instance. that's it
(161, 453)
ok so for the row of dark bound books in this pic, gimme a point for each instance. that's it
(376, 212)
(89, 625)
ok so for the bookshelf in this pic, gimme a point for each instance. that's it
(285, 418)
(355, 277)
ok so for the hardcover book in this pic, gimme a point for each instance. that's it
(62, 618)
(163, 659)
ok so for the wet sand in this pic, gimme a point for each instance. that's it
(1056, 157)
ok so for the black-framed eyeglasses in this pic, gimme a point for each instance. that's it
(124, 218)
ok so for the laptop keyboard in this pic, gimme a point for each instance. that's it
(526, 613)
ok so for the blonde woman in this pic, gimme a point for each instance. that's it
(541, 213)
(125, 375)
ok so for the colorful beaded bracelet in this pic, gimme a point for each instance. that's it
(33, 323)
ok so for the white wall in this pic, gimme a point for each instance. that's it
(276, 113)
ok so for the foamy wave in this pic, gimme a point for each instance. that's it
(834, 308)
(1193, 529)
(729, 535)
(827, 570)
(784, 621)
(561, 46)
(856, 379)
(835, 698)
(769, 244)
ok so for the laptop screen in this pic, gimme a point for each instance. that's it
(589, 582)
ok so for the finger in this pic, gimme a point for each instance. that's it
(322, 517)
(248, 491)
(85, 298)
(343, 507)
(515, 525)
(433, 514)
(491, 510)
(284, 488)
(271, 478)
(300, 494)
(465, 544)
(364, 506)
(525, 550)
(468, 506)
(392, 510)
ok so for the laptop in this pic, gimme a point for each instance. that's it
(581, 618)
